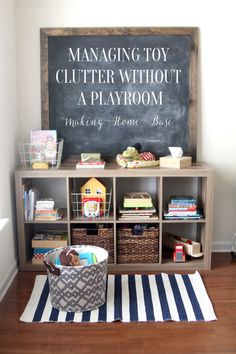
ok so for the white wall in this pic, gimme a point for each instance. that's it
(8, 129)
(20, 57)
(217, 121)
(20, 21)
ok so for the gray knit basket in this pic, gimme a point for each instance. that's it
(77, 289)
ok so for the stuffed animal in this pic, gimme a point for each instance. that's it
(133, 158)
(72, 258)
(69, 258)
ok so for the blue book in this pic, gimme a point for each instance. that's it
(184, 200)
(42, 250)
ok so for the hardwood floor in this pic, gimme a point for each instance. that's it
(137, 338)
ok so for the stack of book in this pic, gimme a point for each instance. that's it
(182, 207)
(44, 242)
(44, 210)
(137, 205)
(91, 161)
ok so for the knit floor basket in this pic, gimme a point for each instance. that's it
(77, 289)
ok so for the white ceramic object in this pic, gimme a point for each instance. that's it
(176, 151)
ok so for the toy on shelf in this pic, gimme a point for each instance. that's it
(191, 248)
(178, 254)
(93, 194)
(176, 159)
(91, 207)
(132, 157)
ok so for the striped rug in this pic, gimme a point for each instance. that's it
(131, 298)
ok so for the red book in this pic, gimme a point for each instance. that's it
(91, 164)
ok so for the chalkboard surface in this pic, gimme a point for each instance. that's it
(106, 91)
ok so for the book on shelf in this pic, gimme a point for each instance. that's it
(138, 212)
(182, 200)
(30, 195)
(43, 146)
(137, 199)
(52, 239)
(182, 213)
(172, 207)
(138, 217)
(38, 255)
(197, 216)
(90, 156)
(45, 204)
(91, 164)
(182, 206)
(50, 215)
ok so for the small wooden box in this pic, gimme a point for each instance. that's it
(175, 162)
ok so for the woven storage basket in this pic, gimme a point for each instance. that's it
(77, 289)
(102, 237)
(138, 248)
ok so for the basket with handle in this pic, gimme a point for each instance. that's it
(103, 237)
(142, 248)
(80, 288)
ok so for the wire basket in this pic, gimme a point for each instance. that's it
(40, 155)
(90, 205)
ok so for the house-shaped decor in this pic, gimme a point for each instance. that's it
(93, 194)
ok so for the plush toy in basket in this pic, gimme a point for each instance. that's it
(72, 258)
(132, 157)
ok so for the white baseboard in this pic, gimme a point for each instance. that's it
(7, 282)
(220, 246)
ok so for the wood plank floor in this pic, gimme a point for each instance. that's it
(137, 338)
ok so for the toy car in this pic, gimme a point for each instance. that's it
(179, 255)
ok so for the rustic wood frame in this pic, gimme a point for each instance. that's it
(178, 31)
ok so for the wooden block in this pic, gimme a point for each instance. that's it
(175, 162)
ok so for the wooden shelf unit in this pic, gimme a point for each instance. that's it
(161, 183)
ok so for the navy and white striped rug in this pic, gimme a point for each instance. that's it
(131, 298)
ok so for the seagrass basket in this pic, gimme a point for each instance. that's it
(138, 248)
(103, 237)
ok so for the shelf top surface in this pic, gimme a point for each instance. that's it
(68, 169)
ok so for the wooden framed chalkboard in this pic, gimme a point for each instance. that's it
(104, 89)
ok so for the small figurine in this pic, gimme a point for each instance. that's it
(179, 255)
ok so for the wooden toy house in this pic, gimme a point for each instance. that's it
(93, 194)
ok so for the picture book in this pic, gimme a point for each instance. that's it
(50, 240)
(137, 199)
(44, 146)
(91, 164)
